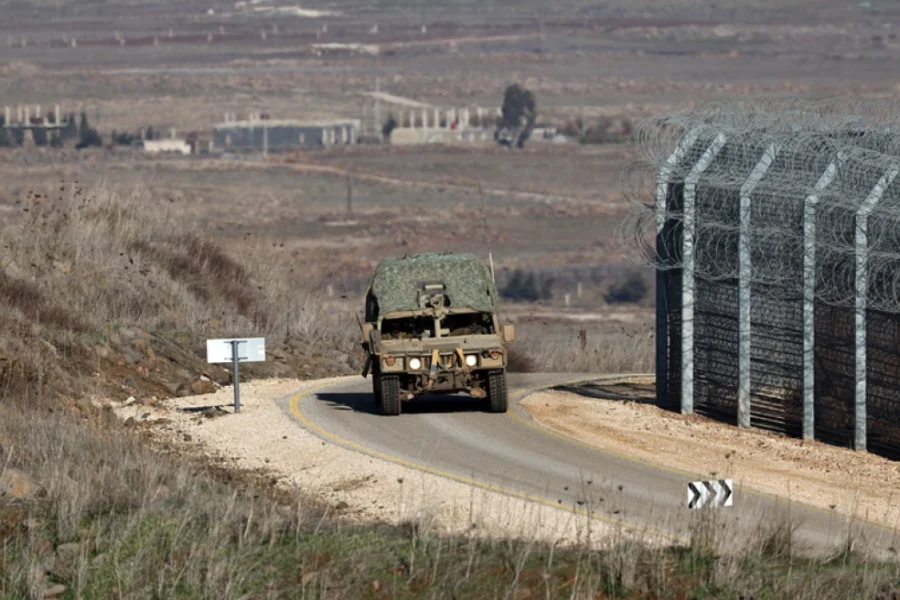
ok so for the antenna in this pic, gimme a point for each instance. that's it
(486, 236)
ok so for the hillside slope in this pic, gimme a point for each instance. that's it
(104, 292)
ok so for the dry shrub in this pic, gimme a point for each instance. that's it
(592, 349)
(145, 526)
(119, 256)
(518, 361)
(92, 260)
(206, 272)
(27, 298)
(775, 538)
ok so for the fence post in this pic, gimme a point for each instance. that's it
(862, 290)
(663, 257)
(745, 275)
(687, 286)
(809, 297)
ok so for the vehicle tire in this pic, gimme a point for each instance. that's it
(376, 385)
(390, 395)
(497, 392)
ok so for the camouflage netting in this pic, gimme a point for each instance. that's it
(396, 282)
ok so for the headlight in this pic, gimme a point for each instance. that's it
(415, 364)
(471, 360)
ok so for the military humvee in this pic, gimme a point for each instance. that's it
(431, 326)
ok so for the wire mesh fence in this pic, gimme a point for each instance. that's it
(774, 226)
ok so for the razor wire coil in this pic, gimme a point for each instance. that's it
(858, 140)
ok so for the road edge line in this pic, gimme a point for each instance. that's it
(532, 423)
(294, 405)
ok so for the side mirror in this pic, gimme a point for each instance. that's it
(509, 333)
(375, 341)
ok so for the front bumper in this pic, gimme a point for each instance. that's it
(458, 361)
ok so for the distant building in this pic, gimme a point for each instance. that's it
(257, 134)
(169, 145)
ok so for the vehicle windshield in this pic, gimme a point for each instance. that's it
(423, 327)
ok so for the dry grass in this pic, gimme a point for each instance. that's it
(122, 255)
(603, 348)
(117, 520)
(83, 263)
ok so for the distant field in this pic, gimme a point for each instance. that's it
(549, 207)
(304, 214)
(177, 65)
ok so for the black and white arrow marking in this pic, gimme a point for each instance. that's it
(715, 493)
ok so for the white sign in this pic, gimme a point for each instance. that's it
(249, 350)
(715, 493)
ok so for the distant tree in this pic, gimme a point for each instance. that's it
(527, 287)
(514, 288)
(89, 137)
(39, 135)
(56, 140)
(69, 130)
(519, 113)
(83, 124)
(607, 131)
(6, 140)
(122, 139)
(547, 288)
(632, 288)
(389, 126)
(19, 136)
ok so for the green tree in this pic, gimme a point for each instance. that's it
(389, 126)
(547, 288)
(5, 141)
(122, 139)
(523, 286)
(89, 137)
(518, 115)
(632, 288)
(39, 135)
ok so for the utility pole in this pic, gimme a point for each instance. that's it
(377, 105)
(349, 192)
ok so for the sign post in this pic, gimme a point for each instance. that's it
(229, 350)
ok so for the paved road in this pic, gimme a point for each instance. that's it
(454, 437)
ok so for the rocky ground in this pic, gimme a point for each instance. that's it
(151, 368)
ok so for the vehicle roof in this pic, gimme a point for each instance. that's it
(396, 282)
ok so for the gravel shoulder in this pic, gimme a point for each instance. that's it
(614, 418)
(358, 488)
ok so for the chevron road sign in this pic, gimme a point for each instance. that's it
(714, 493)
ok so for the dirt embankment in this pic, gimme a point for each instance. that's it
(852, 483)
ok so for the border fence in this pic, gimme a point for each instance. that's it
(774, 228)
